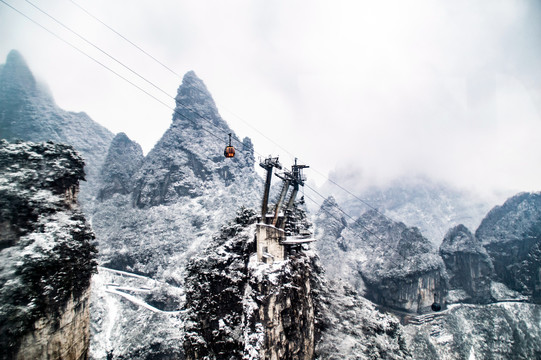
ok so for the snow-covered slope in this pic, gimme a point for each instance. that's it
(135, 317)
(507, 330)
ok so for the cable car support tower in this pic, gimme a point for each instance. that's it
(273, 244)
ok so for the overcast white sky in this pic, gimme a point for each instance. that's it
(448, 89)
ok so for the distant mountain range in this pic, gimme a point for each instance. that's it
(418, 201)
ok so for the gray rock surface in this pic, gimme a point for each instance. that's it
(124, 158)
(511, 234)
(468, 264)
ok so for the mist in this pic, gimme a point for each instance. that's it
(446, 90)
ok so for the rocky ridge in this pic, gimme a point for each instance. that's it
(511, 234)
(431, 206)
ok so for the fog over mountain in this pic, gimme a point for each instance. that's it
(447, 90)
(432, 206)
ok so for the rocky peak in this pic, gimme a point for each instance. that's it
(193, 95)
(188, 160)
(460, 238)
(16, 75)
(123, 159)
(413, 243)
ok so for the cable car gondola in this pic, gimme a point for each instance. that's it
(436, 306)
(229, 151)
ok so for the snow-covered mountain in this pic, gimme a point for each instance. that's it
(29, 112)
(157, 210)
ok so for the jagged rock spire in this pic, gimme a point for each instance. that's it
(123, 159)
(15, 74)
(195, 105)
(189, 157)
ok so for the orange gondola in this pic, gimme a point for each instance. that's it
(229, 151)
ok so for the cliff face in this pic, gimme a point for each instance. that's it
(279, 310)
(215, 286)
(468, 264)
(47, 258)
(239, 308)
(66, 337)
(511, 234)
